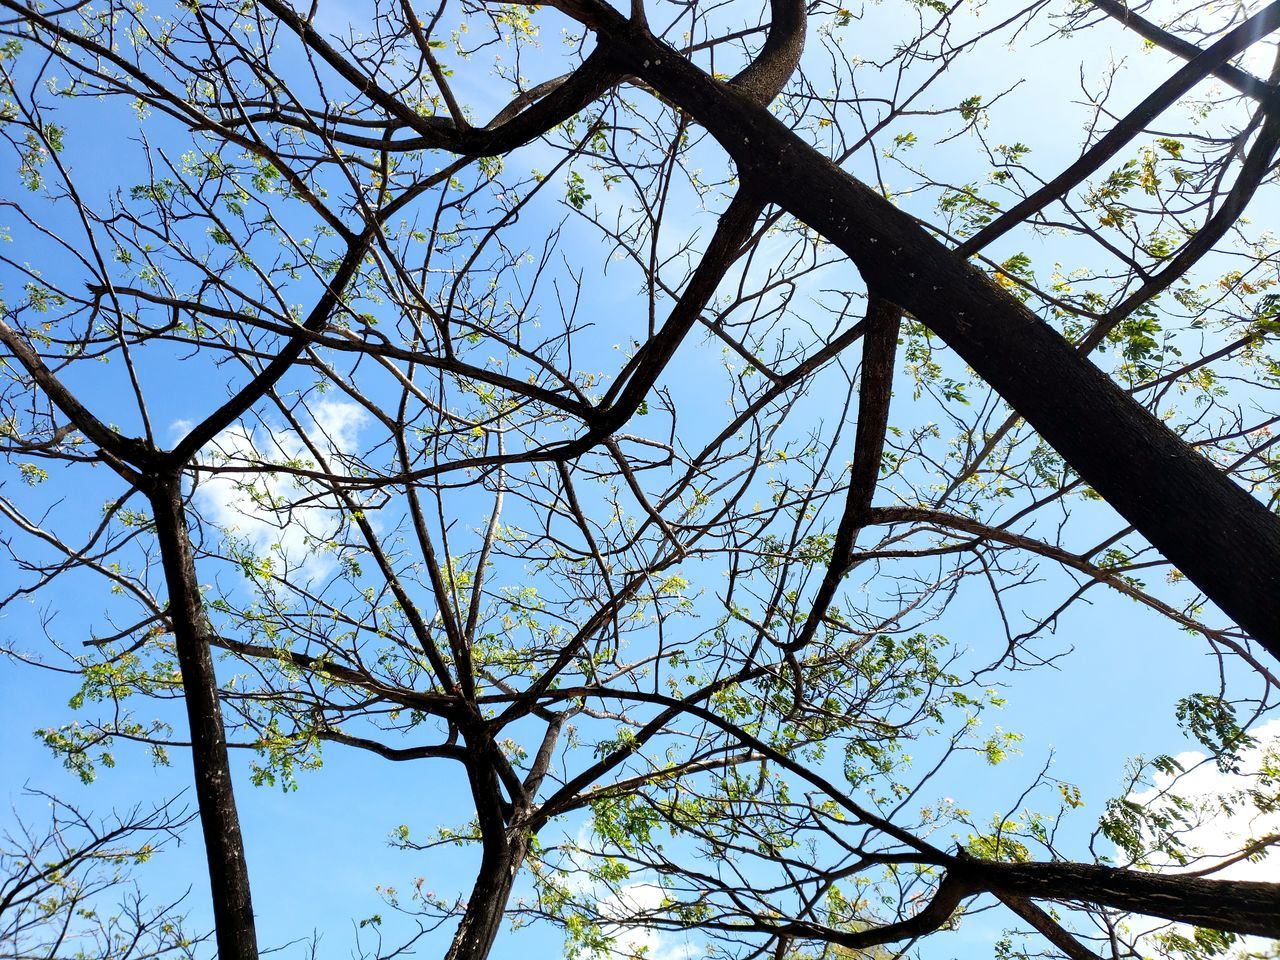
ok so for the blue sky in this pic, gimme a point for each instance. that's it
(318, 854)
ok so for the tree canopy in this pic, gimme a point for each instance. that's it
(684, 427)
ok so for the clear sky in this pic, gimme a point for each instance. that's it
(319, 854)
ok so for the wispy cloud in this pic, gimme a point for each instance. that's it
(636, 900)
(1216, 833)
(276, 515)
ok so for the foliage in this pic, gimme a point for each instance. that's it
(429, 384)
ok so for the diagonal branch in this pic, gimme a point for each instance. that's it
(119, 449)
(1239, 79)
(1160, 99)
(1048, 928)
(269, 376)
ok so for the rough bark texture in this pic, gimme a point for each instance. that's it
(1237, 905)
(487, 904)
(765, 77)
(228, 871)
(1223, 539)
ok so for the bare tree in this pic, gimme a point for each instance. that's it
(649, 557)
(65, 891)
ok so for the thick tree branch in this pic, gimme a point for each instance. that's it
(936, 913)
(560, 99)
(1236, 906)
(879, 350)
(766, 75)
(1048, 928)
(219, 819)
(451, 751)
(1223, 539)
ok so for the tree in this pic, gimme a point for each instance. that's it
(64, 890)
(679, 651)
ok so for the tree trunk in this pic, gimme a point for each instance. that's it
(224, 847)
(488, 902)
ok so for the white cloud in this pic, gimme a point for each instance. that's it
(257, 508)
(635, 900)
(632, 900)
(1216, 834)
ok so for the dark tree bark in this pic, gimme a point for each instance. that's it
(1219, 536)
(1241, 906)
(1222, 538)
(219, 820)
(505, 833)
(487, 904)
(879, 352)
(764, 77)
(137, 462)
